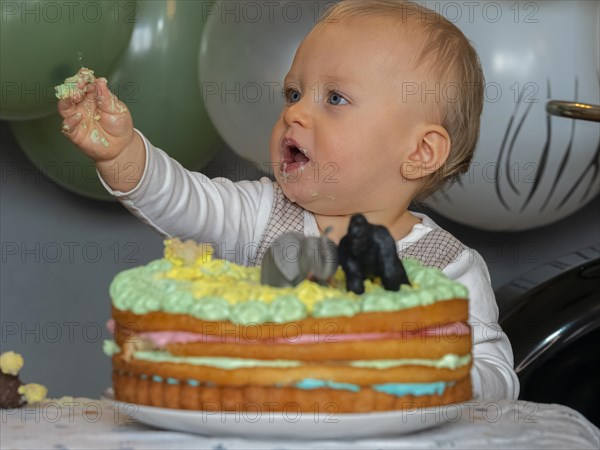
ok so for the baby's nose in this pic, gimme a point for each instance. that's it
(299, 113)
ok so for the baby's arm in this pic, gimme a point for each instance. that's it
(493, 375)
(101, 126)
(153, 186)
(179, 203)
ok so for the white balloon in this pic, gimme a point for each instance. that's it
(247, 49)
(530, 169)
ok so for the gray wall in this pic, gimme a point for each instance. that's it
(53, 307)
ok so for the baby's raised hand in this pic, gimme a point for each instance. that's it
(94, 119)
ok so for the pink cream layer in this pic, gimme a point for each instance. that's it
(162, 338)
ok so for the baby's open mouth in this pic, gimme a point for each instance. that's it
(293, 156)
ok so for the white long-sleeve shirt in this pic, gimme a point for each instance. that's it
(234, 216)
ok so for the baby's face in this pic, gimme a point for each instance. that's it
(346, 129)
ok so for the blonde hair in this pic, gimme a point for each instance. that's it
(450, 57)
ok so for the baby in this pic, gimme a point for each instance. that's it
(382, 107)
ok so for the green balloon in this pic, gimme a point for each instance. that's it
(43, 42)
(157, 77)
(57, 158)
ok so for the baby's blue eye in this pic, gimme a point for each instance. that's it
(336, 99)
(291, 95)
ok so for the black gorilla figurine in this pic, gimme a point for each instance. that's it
(369, 251)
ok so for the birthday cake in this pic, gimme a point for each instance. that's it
(195, 332)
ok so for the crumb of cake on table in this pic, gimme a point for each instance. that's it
(68, 401)
(13, 393)
(33, 392)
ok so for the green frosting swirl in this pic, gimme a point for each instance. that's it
(336, 307)
(250, 312)
(210, 308)
(287, 308)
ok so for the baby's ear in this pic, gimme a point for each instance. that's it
(431, 152)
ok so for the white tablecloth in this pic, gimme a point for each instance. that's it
(86, 423)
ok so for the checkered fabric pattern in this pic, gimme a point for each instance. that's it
(438, 248)
(286, 216)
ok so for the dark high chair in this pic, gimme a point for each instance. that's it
(552, 318)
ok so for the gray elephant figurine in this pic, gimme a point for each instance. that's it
(293, 257)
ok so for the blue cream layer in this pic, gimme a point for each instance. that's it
(397, 389)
